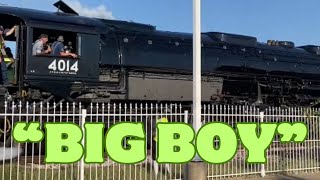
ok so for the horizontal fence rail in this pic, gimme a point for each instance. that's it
(26, 160)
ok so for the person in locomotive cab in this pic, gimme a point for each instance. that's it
(4, 33)
(68, 48)
(40, 47)
(8, 59)
(59, 50)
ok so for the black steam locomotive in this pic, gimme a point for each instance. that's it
(126, 61)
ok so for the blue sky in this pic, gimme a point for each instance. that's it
(292, 20)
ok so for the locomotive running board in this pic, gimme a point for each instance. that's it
(98, 100)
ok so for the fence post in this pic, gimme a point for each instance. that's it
(196, 169)
(263, 171)
(83, 120)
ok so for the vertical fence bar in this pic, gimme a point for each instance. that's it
(315, 142)
(19, 145)
(32, 146)
(103, 120)
(234, 164)
(67, 120)
(120, 120)
(83, 119)
(60, 117)
(223, 169)
(313, 138)
(26, 145)
(4, 139)
(91, 113)
(151, 141)
(263, 171)
(114, 122)
(47, 120)
(97, 121)
(11, 138)
(135, 120)
(130, 119)
(54, 120)
(39, 150)
(140, 120)
(125, 120)
(108, 121)
(73, 169)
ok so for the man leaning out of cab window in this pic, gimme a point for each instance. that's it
(38, 46)
(58, 48)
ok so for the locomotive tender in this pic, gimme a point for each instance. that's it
(126, 61)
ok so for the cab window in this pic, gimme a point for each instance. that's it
(47, 42)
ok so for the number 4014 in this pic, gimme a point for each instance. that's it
(63, 65)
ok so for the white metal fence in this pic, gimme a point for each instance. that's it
(29, 164)
(289, 158)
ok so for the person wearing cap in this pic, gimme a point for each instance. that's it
(58, 48)
(4, 33)
(38, 46)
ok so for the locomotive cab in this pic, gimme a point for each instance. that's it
(12, 45)
(58, 67)
(34, 73)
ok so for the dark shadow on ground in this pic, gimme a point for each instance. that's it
(286, 177)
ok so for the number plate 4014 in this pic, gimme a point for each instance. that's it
(63, 66)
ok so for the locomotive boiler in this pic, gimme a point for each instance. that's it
(134, 62)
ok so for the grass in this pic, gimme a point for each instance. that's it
(143, 172)
(237, 168)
